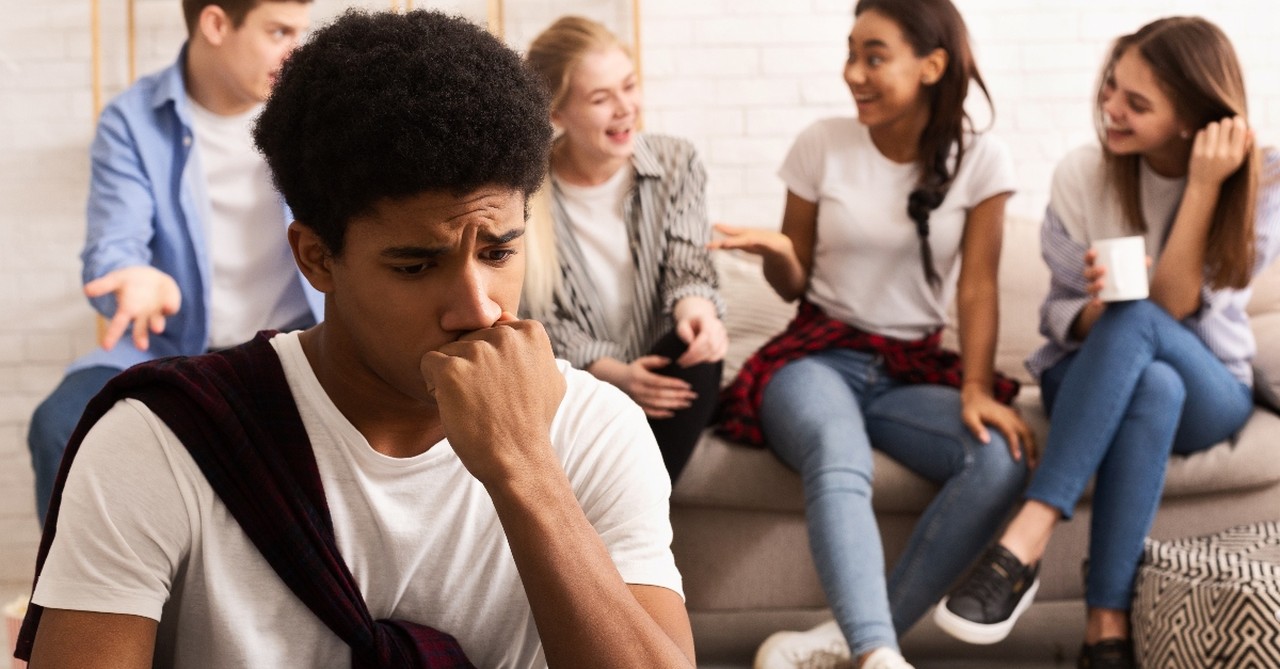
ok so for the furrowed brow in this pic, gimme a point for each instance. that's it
(413, 252)
(504, 238)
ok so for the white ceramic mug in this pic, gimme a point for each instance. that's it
(1125, 261)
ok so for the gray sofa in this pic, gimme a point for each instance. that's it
(738, 512)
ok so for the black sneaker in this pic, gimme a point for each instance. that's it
(986, 604)
(1107, 654)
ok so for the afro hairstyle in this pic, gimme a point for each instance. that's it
(384, 106)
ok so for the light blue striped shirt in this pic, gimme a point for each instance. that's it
(1083, 208)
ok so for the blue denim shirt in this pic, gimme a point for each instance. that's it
(146, 206)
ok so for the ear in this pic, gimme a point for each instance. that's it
(934, 66)
(213, 25)
(312, 255)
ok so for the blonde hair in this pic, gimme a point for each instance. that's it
(542, 263)
(553, 56)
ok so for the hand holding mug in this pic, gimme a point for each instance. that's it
(1116, 269)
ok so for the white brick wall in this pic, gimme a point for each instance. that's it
(738, 77)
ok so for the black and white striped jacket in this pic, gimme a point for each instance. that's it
(666, 218)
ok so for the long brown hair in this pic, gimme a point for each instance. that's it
(928, 25)
(1196, 66)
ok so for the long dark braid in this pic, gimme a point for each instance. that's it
(928, 195)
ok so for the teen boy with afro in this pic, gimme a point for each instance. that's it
(418, 459)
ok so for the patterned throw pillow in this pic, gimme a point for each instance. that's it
(1210, 601)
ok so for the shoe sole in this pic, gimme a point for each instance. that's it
(978, 633)
(767, 647)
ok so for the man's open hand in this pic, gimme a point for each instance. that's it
(144, 297)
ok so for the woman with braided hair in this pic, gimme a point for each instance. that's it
(888, 218)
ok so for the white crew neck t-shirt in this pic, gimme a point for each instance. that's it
(866, 258)
(595, 217)
(141, 532)
(255, 282)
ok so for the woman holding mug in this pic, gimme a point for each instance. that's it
(1127, 383)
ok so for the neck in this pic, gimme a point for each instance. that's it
(1169, 163)
(570, 165)
(393, 423)
(899, 139)
(203, 77)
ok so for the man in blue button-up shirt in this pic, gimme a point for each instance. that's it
(186, 247)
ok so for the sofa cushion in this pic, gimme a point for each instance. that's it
(723, 474)
(1266, 292)
(1264, 316)
(1266, 371)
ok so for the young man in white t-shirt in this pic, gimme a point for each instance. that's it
(468, 482)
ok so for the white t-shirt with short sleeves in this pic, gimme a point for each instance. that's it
(866, 260)
(141, 532)
(254, 281)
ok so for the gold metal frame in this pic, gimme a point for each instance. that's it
(496, 15)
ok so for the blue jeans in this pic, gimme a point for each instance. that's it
(1142, 386)
(54, 421)
(822, 414)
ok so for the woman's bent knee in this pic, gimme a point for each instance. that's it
(994, 463)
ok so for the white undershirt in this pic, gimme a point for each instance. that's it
(1160, 199)
(254, 279)
(595, 217)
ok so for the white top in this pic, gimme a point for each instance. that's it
(595, 217)
(866, 257)
(1089, 206)
(141, 532)
(254, 279)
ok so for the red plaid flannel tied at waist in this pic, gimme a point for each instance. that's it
(811, 331)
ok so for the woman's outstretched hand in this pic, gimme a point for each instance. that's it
(752, 240)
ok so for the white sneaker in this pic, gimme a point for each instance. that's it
(886, 658)
(822, 647)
